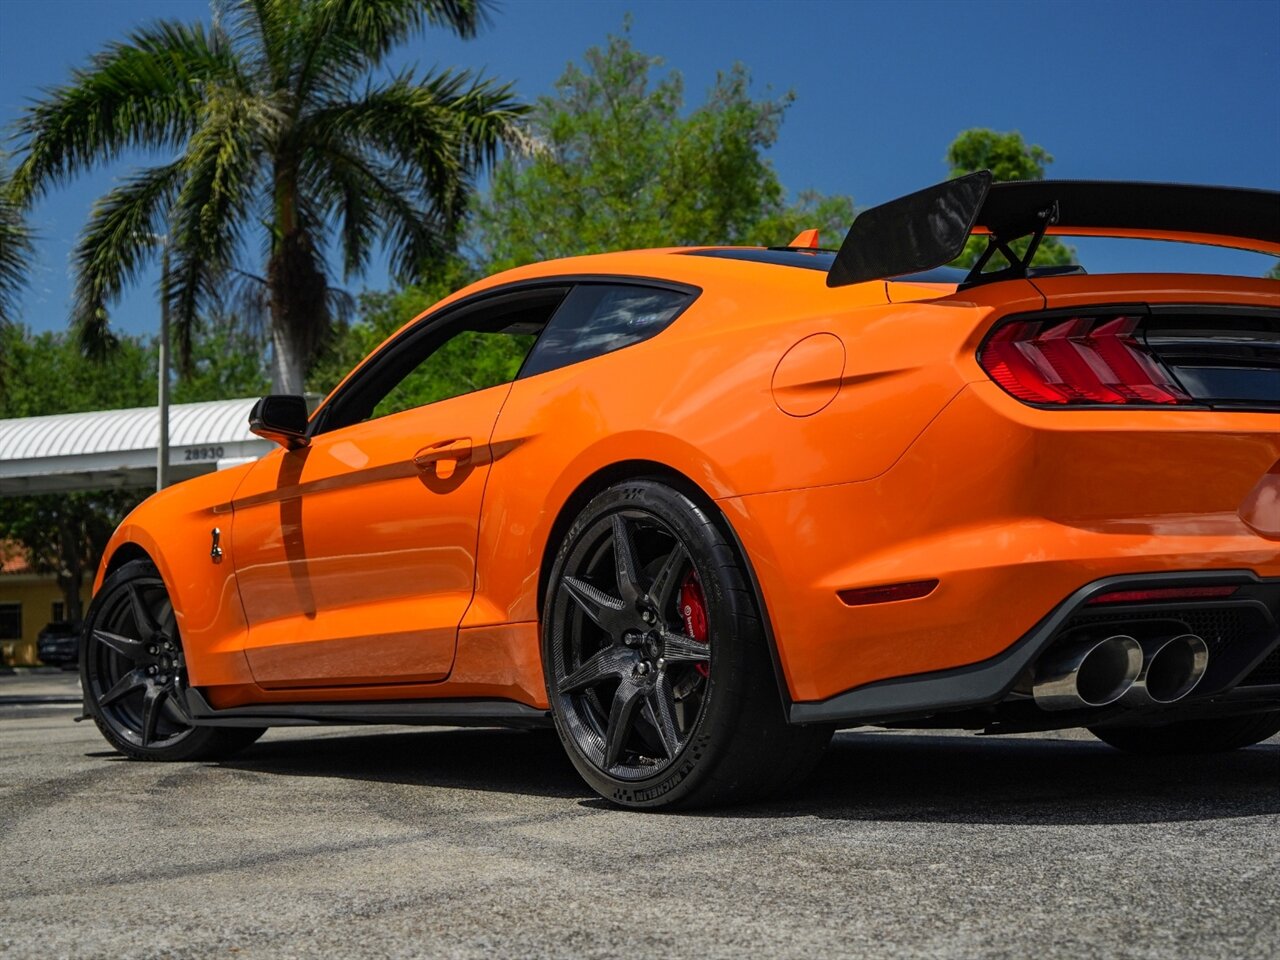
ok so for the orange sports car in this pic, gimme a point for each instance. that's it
(708, 505)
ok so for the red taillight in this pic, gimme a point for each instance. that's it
(1162, 593)
(1078, 360)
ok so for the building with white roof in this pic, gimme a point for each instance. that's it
(117, 448)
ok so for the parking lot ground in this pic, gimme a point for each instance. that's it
(473, 843)
(42, 684)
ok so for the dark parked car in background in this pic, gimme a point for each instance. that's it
(58, 643)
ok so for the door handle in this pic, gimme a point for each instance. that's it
(441, 458)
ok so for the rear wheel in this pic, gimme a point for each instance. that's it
(656, 661)
(1192, 736)
(134, 674)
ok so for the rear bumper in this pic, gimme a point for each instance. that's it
(1012, 510)
(1240, 660)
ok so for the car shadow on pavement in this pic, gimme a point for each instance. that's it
(528, 762)
(1027, 780)
(864, 776)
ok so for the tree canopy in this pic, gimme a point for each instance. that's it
(65, 533)
(622, 164)
(42, 374)
(1008, 157)
(285, 137)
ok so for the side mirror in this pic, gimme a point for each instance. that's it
(282, 418)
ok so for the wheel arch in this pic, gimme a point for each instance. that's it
(625, 470)
(129, 550)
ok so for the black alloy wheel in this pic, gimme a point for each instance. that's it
(657, 669)
(627, 652)
(134, 673)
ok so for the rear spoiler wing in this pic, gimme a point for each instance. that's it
(929, 228)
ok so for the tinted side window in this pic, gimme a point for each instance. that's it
(600, 318)
(474, 347)
(470, 360)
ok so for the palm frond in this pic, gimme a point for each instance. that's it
(145, 92)
(260, 31)
(340, 40)
(16, 247)
(441, 127)
(121, 236)
(221, 169)
(372, 200)
(379, 25)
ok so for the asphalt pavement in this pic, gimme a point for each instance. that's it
(351, 842)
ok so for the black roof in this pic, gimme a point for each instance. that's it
(819, 260)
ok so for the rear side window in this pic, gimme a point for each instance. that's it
(599, 318)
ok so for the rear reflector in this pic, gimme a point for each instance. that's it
(1095, 360)
(887, 592)
(1161, 593)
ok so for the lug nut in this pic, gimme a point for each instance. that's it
(648, 616)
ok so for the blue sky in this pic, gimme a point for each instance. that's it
(1171, 91)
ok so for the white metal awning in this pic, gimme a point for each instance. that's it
(117, 448)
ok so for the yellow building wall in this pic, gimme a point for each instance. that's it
(37, 595)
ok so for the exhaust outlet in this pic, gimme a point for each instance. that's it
(1171, 669)
(1090, 673)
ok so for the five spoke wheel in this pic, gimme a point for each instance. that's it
(137, 675)
(625, 660)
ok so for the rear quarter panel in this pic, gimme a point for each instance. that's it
(698, 399)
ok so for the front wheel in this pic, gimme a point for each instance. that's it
(656, 661)
(1216, 735)
(134, 674)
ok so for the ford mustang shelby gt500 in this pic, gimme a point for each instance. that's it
(719, 502)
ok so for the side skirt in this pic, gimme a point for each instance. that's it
(430, 713)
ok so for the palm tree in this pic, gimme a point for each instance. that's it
(281, 129)
(15, 246)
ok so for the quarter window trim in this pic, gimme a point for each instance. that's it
(690, 292)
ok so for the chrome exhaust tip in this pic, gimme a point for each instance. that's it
(1171, 668)
(1090, 673)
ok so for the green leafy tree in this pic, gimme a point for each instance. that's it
(285, 136)
(377, 315)
(45, 374)
(1274, 273)
(621, 164)
(64, 534)
(469, 361)
(1008, 157)
(15, 247)
(228, 359)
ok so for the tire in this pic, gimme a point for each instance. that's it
(134, 676)
(1192, 736)
(657, 708)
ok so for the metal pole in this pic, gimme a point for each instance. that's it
(162, 448)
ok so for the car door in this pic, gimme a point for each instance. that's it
(355, 555)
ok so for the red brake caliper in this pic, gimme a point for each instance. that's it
(693, 610)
